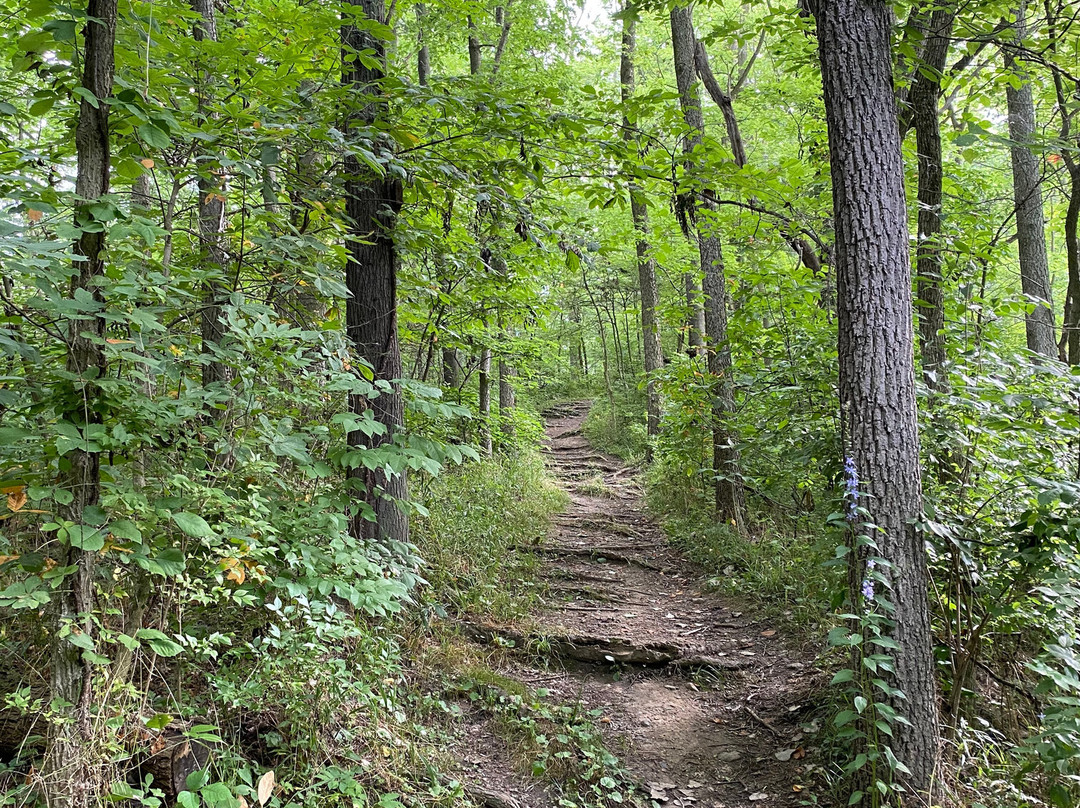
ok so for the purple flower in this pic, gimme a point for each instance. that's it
(868, 590)
(851, 489)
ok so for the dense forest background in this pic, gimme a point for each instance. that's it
(285, 288)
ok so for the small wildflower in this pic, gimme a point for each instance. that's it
(851, 488)
(868, 590)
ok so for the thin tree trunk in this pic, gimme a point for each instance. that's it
(875, 346)
(484, 406)
(502, 19)
(211, 224)
(507, 398)
(423, 58)
(70, 776)
(372, 203)
(1027, 193)
(1070, 330)
(923, 100)
(728, 487)
(474, 49)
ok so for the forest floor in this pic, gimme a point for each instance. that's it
(705, 704)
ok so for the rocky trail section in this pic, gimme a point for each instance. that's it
(704, 703)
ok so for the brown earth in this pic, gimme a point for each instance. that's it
(704, 703)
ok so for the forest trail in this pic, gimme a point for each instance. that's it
(703, 703)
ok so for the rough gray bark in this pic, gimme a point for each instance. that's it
(653, 357)
(728, 488)
(1027, 194)
(876, 343)
(923, 105)
(211, 207)
(70, 777)
(371, 204)
(423, 57)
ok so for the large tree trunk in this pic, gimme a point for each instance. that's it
(372, 203)
(923, 100)
(70, 777)
(211, 207)
(876, 350)
(653, 357)
(1027, 194)
(728, 488)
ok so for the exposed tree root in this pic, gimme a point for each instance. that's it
(603, 650)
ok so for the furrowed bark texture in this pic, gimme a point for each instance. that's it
(728, 488)
(211, 224)
(876, 350)
(71, 776)
(653, 356)
(923, 103)
(1027, 194)
(372, 203)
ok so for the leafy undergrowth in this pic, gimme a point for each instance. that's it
(328, 707)
(483, 517)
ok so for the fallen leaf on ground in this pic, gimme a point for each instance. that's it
(758, 796)
(784, 755)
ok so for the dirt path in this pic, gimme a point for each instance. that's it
(703, 702)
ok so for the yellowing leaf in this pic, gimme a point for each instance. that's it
(34, 215)
(234, 570)
(256, 124)
(119, 342)
(6, 558)
(147, 162)
(175, 351)
(16, 500)
(266, 787)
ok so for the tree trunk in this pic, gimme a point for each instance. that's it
(1027, 193)
(923, 100)
(653, 358)
(371, 204)
(876, 350)
(1070, 327)
(728, 487)
(451, 368)
(474, 49)
(484, 405)
(695, 323)
(507, 398)
(423, 58)
(70, 777)
(211, 207)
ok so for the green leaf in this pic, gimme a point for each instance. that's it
(154, 136)
(159, 642)
(125, 529)
(83, 537)
(193, 525)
